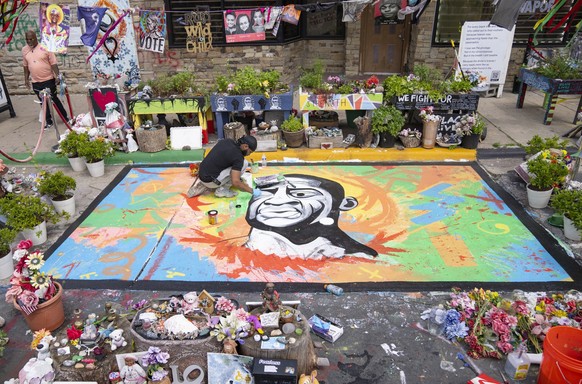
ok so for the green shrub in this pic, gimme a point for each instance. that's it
(537, 144)
(26, 211)
(387, 119)
(292, 124)
(569, 203)
(57, 185)
(7, 236)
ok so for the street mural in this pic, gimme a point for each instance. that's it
(316, 223)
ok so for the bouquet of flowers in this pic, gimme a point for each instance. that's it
(235, 325)
(469, 124)
(427, 114)
(154, 361)
(408, 132)
(28, 285)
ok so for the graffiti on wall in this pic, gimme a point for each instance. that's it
(25, 23)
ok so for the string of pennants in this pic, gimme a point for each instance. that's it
(241, 25)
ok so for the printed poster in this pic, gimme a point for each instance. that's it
(118, 55)
(54, 20)
(198, 31)
(152, 31)
(386, 11)
(244, 25)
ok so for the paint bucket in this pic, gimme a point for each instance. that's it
(212, 217)
(562, 358)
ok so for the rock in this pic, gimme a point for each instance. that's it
(79, 365)
(276, 332)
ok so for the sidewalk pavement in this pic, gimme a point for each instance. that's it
(371, 319)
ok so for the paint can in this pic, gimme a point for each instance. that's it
(212, 217)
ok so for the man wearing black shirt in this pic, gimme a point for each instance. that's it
(223, 167)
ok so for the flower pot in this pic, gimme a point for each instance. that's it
(429, 133)
(33, 234)
(77, 163)
(67, 206)
(538, 199)
(410, 141)
(165, 380)
(386, 140)
(470, 141)
(6, 266)
(570, 230)
(294, 139)
(96, 169)
(49, 315)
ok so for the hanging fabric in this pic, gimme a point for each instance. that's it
(10, 16)
(506, 13)
(152, 31)
(272, 16)
(352, 10)
(91, 17)
(543, 21)
(54, 27)
(415, 8)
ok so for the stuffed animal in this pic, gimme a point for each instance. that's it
(117, 339)
(309, 379)
(190, 303)
(229, 347)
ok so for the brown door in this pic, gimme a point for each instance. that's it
(382, 46)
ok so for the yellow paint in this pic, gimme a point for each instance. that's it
(172, 274)
(372, 274)
(453, 251)
(371, 154)
(503, 228)
(88, 275)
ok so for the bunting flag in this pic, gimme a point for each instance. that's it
(91, 17)
(352, 10)
(152, 31)
(54, 22)
(506, 14)
(249, 25)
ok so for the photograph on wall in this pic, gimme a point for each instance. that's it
(244, 25)
(152, 31)
(54, 32)
(386, 11)
(118, 54)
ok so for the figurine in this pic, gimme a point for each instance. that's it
(190, 303)
(90, 330)
(132, 373)
(39, 369)
(271, 301)
(43, 348)
(309, 379)
(229, 347)
(117, 339)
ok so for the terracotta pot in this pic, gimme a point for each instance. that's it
(49, 315)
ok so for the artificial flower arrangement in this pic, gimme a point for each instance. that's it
(312, 81)
(409, 132)
(154, 361)
(493, 326)
(236, 325)
(427, 114)
(470, 124)
(28, 285)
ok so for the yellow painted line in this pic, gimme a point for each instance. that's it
(368, 154)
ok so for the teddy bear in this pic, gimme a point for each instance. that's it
(117, 339)
(190, 303)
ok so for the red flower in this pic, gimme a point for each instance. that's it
(73, 333)
(24, 244)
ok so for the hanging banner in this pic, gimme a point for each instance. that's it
(484, 52)
(118, 55)
(352, 10)
(386, 11)
(199, 35)
(54, 21)
(272, 16)
(152, 31)
(91, 18)
(290, 14)
(243, 31)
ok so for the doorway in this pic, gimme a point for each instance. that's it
(382, 46)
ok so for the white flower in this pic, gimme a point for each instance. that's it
(19, 254)
(93, 132)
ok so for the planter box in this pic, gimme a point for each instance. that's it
(267, 142)
(339, 102)
(317, 141)
(222, 106)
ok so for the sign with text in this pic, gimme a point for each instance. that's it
(465, 102)
(198, 30)
(485, 49)
(152, 31)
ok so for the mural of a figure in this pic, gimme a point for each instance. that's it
(299, 217)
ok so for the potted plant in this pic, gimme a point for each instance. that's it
(471, 128)
(69, 145)
(547, 171)
(34, 293)
(60, 189)
(387, 121)
(568, 202)
(95, 151)
(410, 137)
(311, 78)
(537, 144)
(28, 214)
(7, 236)
(155, 361)
(293, 131)
(430, 125)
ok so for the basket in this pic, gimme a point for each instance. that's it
(410, 141)
(152, 140)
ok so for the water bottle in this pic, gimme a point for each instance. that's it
(264, 160)
(338, 291)
(517, 365)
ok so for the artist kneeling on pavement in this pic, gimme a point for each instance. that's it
(223, 167)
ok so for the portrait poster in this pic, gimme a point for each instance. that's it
(118, 55)
(152, 31)
(244, 25)
(54, 20)
(290, 14)
(386, 11)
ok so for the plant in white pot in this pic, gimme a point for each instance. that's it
(7, 236)
(95, 150)
(60, 189)
(568, 202)
(28, 214)
(547, 171)
(69, 145)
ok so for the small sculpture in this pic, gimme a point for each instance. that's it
(309, 379)
(271, 300)
(229, 347)
(132, 373)
(117, 339)
(90, 330)
(190, 303)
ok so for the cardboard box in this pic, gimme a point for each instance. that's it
(274, 371)
(325, 328)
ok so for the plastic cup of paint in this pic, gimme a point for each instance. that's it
(212, 217)
(254, 167)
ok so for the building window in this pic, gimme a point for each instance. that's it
(451, 14)
(324, 25)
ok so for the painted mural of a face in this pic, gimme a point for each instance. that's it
(299, 218)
